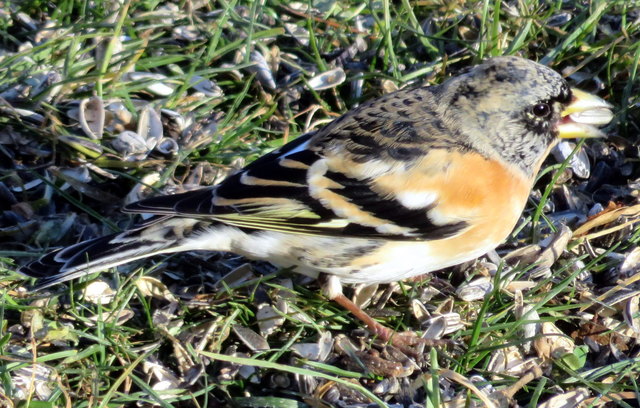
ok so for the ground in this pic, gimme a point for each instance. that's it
(106, 102)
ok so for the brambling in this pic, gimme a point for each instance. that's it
(411, 182)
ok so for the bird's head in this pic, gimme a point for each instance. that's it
(520, 109)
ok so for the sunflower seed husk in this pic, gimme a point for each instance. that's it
(150, 127)
(157, 84)
(552, 343)
(327, 80)
(569, 399)
(206, 86)
(251, 339)
(34, 380)
(269, 319)
(475, 290)
(579, 162)
(262, 70)
(130, 145)
(363, 295)
(98, 292)
(315, 351)
(168, 146)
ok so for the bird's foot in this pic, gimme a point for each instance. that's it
(408, 342)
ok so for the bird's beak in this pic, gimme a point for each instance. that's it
(581, 118)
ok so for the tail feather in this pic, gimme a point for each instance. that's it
(107, 252)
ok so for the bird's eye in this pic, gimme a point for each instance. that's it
(542, 110)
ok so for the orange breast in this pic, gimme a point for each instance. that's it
(486, 194)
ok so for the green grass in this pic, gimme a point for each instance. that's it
(174, 344)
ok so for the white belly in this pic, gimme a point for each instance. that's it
(351, 260)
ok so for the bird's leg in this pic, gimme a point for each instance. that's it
(377, 329)
(332, 288)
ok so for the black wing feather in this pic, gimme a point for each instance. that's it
(252, 203)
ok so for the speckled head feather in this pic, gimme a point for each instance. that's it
(508, 106)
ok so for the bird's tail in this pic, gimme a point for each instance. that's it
(163, 235)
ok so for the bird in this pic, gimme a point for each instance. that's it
(413, 181)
